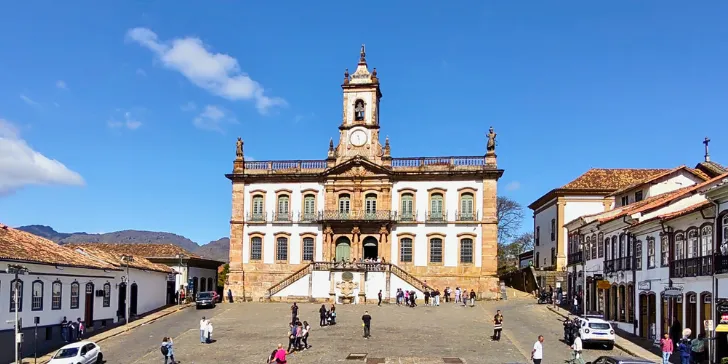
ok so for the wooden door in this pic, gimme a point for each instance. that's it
(89, 305)
(644, 324)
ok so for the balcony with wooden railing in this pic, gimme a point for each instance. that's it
(575, 258)
(692, 267)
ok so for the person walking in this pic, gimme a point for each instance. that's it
(697, 346)
(81, 329)
(472, 298)
(366, 322)
(577, 347)
(497, 325)
(167, 350)
(306, 331)
(280, 355)
(203, 326)
(64, 329)
(667, 347)
(380, 298)
(537, 352)
(684, 347)
(294, 312)
(291, 338)
(322, 316)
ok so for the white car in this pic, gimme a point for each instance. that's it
(597, 331)
(82, 352)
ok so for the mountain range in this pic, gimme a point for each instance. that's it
(217, 249)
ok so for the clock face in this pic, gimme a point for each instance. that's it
(358, 138)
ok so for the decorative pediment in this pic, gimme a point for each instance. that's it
(357, 167)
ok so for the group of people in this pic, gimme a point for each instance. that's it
(691, 351)
(72, 330)
(326, 317)
(407, 298)
(205, 331)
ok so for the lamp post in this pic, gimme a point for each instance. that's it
(127, 259)
(182, 278)
(17, 270)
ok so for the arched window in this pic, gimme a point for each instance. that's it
(407, 213)
(56, 290)
(359, 110)
(256, 248)
(309, 207)
(693, 245)
(650, 252)
(600, 247)
(203, 285)
(282, 249)
(195, 285)
(19, 284)
(538, 260)
(344, 204)
(258, 213)
(466, 250)
(467, 203)
(724, 240)
(706, 241)
(553, 229)
(638, 255)
(37, 302)
(370, 205)
(210, 287)
(283, 208)
(436, 206)
(664, 250)
(679, 246)
(622, 246)
(308, 249)
(615, 252)
(435, 250)
(405, 250)
(74, 294)
(107, 294)
(606, 249)
(594, 244)
(586, 248)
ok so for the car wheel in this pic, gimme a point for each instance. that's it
(610, 346)
(100, 358)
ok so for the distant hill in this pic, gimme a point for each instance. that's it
(217, 249)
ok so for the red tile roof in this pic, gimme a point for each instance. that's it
(142, 250)
(113, 257)
(611, 179)
(20, 246)
(657, 176)
(686, 211)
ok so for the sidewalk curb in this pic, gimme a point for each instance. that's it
(44, 359)
(620, 346)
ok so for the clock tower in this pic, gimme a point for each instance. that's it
(360, 117)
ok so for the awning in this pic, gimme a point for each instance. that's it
(721, 328)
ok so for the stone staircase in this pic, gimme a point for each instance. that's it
(292, 278)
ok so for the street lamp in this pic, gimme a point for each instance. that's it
(17, 270)
(127, 259)
(182, 279)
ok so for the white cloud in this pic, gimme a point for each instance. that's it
(21, 166)
(128, 122)
(190, 106)
(513, 186)
(217, 73)
(61, 84)
(212, 118)
(28, 100)
(141, 72)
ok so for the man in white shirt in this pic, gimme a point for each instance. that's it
(203, 326)
(577, 346)
(537, 353)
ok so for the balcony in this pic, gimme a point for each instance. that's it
(407, 216)
(721, 264)
(436, 216)
(465, 216)
(692, 267)
(618, 265)
(575, 258)
(257, 217)
(306, 217)
(379, 215)
(282, 217)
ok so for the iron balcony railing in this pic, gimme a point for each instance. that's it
(306, 217)
(282, 217)
(721, 264)
(466, 215)
(575, 258)
(404, 216)
(378, 215)
(436, 216)
(692, 267)
(257, 217)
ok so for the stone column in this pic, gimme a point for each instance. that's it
(328, 244)
(356, 247)
(236, 276)
(384, 249)
(488, 281)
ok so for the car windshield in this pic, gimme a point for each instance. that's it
(599, 325)
(203, 296)
(66, 353)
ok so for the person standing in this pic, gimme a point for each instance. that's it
(537, 352)
(168, 350)
(497, 325)
(280, 355)
(577, 347)
(427, 297)
(230, 295)
(81, 329)
(380, 298)
(697, 347)
(203, 326)
(472, 298)
(209, 331)
(366, 322)
(667, 347)
(294, 312)
(64, 329)
(322, 316)
(306, 331)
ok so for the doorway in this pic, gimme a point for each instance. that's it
(691, 313)
(343, 249)
(371, 248)
(644, 326)
(170, 293)
(89, 305)
(705, 311)
(652, 319)
(133, 301)
(121, 301)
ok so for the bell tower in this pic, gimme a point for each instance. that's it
(360, 113)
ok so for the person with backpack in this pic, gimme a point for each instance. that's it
(167, 350)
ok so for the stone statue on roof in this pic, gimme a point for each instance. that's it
(491, 141)
(239, 148)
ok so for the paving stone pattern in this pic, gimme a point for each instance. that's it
(247, 333)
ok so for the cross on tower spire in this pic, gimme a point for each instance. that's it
(707, 154)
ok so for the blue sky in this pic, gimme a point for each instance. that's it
(140, 103)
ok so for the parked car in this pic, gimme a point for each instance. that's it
(620, 360)
(205, 299)
(596, 331)
(82, 352)
(216, 297)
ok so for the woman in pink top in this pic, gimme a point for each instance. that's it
(280, 355)
(667, 346)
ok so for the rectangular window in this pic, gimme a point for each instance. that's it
(37, 302)
(370, 205)
(56, 296)
(553, 256)
(594, 245)
(706, 241)
(107, 295)
(435, 250)
(256, 248)
(282, 249)
(466, 207)
(665, 250)
(553, 229)
(344, 205)
(258, 213)
(650, 252)
(600, 247)
(538, 234)
(283, 202)
(466, 251)
(638, 196)
(638, 255)
(308, 249)
(407, 213)
(19, 285)
(625, 200)
(405, 250)
(309, 207)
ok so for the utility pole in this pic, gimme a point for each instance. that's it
(127, 259)
(17, 270)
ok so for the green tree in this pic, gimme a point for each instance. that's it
(222, 277)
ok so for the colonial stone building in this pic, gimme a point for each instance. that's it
(431, 221)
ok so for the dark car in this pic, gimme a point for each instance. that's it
(205, 299)
(620, 360)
